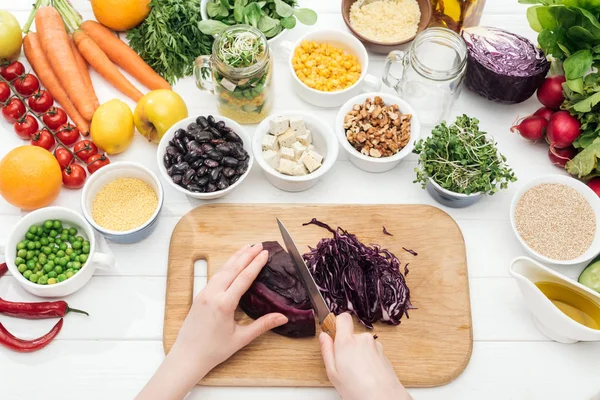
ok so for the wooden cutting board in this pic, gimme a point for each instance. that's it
(431, 348)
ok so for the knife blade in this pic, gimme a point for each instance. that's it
(326, 317)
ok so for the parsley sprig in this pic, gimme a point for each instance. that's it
(462, 159)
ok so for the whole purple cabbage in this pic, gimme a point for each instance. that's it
(364, 280)
(278, 288)
(503, 66)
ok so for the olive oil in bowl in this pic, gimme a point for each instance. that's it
(576, 306)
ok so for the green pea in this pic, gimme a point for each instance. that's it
(83, 258)
(27, 274)
(44, 241)
(48, 268)
(58, 269)
(38, 267)
(22, 253)
(29, 236)
(63, 262)
(30, 265)
(22, 268)
(63, 246)
(80, 238)
(51, 281)
(76, 265)
(37, 252)
(31, 246)
(48, 224)
(62, 277)
(73, 257)
(86, 243)
(69, 274)
(70, 264)
(38, 244)
(19, 260)
(21, 245)
(55, 250)
(60, 254)
(33, 278)
(46, 250)
(64, 237)
(51, 256)
(30, 254)
(53, 233)
(33, 229)
(42, 280)
(39, 231)
(52, 263)
(72, 231)
(52, 274)
(85, 249)
(42, 258)
(69, 251)
(71, 238)
(58, 225)
(50, 240)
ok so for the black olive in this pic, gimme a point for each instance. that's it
(180, 146)
(179, 133)
(202, 181)
(210, 187)
(234, 179)
(187, 178)
(170, 171)
(233, 137)
(167, 161)
(202, 122)
(203, 170)
(224, 148)
(211, 120)
(178, 159)
(215, 174)
(203, 136)
(197, 164)
(177, 179)
(211, 163)
(223, 183)
(181, 167)
(230, 162)
(215, 155)
(194, 188)
(171, 150)
(206, 147)
(228, 172)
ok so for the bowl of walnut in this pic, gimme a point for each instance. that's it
(377, 130)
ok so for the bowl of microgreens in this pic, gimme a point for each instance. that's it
(459, 164)
(271, 17)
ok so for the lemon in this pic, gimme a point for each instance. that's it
(112, 127)
(11, 36)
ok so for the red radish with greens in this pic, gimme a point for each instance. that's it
(560, 157)
(531, 128)
(545, 113)
(562, 130)
(550, 93)
(594, 184)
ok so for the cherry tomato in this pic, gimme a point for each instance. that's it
(85, 149)
(13, 110)
(40, 102)
(13, 70)
(97, 161)
(74, 176)
(26, 126)
(43, 139)
(68, 134)
(54, 118)
(63, 156)
(4, 92)
(26, 85)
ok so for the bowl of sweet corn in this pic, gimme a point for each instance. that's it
(329, 67)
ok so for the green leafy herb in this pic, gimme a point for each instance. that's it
(583, 102)
(269, 16)
(585, 164)
(462, 159)
(240, 49)
(169, 39)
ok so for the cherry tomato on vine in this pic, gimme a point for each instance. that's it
(97, 161)
(13, 70)
(63, 156)
(13, 110)
(26, 85)
(68, 134)
(26, 126)
(74, 176)
(4, 92)
(54, 118)
(40, 102)
(85, 149)
(43, 139)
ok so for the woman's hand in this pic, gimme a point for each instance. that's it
(357, 366)
(209, 334)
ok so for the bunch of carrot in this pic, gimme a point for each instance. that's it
(60, 61)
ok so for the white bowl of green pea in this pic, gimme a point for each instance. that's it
(51, 252)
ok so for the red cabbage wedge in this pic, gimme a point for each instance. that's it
(503, 66)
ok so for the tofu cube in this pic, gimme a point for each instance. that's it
(299, 170)
(272, 158)
(269, 142)
(286, 166)
(287, 138)
(306, 138)
(310, 162)
(299, 149)
(318, 158)
(287, 152)
(278, 125)
(297, 125)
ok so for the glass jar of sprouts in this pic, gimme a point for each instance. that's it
(239, 72)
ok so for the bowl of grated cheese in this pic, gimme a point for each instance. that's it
(384, 25)
(122, 201)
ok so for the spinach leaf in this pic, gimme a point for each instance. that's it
(253, 13)
(585, 162)
(288, 22)
(211, 26)
(283, 9)
(213, 9)
(266, 23)
(306, 16)
(238, 10)
(578, 64)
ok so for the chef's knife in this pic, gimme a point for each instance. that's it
(326, 317)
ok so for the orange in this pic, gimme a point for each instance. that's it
(30, 177)
(120, 15)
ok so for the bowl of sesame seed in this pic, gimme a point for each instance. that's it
(122, 201)
(557, 220)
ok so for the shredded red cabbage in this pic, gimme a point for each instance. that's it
(364, 280)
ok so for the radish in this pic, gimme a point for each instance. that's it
(545, 113)
(562, 130)
(531, 128)
(594, 184)
(550, 93)
(560, 157)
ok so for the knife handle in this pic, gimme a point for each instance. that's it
(328, 325)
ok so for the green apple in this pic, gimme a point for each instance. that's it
(157, 111)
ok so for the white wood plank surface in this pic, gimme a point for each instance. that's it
(112, 353)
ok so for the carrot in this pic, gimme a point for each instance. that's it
(102, 64)
(83, 69)
(124, 56)
(55, 42)
(36, 57)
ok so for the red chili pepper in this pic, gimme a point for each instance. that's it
(7, 339)
(39, 310)
(3, 268)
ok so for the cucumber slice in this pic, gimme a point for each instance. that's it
(590, 276)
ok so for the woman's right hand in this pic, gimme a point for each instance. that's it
(357, 366)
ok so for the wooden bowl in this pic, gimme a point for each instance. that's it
(385, 48)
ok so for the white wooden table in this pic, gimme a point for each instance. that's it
(111, 354)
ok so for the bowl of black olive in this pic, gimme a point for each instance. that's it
(205, 157)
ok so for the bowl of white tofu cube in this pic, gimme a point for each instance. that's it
(294, 150)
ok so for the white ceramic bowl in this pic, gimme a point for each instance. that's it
(204, 15)
(109, 173)
(585, 191)
(183, 124)
(372, 164)
(451, 199)
(348, 43)
(323, 140)
(70, 219)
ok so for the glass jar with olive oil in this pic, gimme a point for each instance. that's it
(456, 14)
